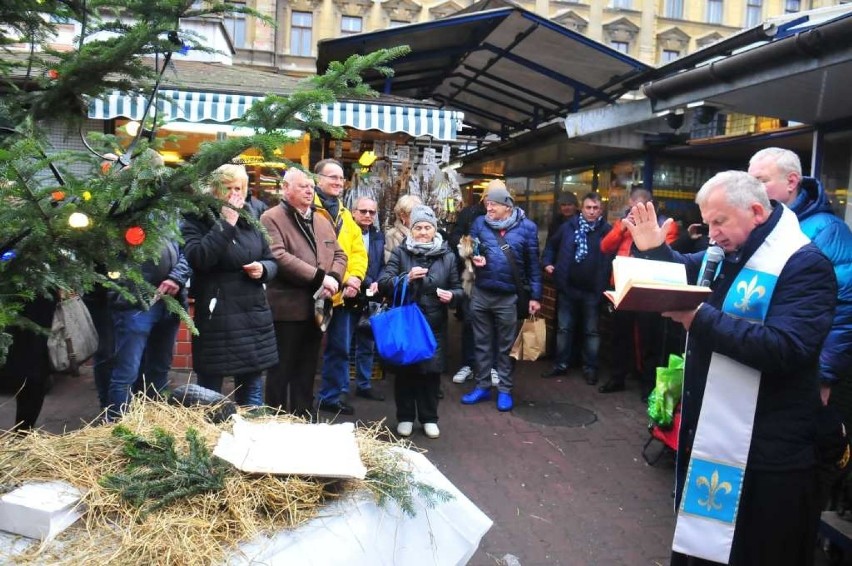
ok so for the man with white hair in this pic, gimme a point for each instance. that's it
(746, 475)
(780, 171)
(309, 259)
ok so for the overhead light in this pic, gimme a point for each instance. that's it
(132, 129)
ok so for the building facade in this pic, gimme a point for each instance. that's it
(653, 31)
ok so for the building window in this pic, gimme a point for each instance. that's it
(620, 46)
(626, 4)
(350, 25)
(754, 13)
(674, 9)
(792, 6)
(714, 11)
(397, 23)
(668, 56)
(301, 31)
(236, 26)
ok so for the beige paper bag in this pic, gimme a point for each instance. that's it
(531, 341)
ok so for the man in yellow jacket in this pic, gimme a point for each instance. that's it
(335, 363)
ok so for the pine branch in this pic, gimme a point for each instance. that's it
(157, 475)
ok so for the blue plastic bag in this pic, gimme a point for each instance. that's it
(402, 334)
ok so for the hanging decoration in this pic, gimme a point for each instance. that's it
(79, 220)
(134, 236)
(57, 195)
(8, 256)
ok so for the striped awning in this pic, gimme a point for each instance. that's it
(215, 107)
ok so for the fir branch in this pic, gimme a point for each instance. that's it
(157, 476)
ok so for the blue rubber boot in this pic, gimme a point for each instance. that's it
(476, 396)
(504, 401)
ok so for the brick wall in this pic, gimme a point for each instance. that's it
(182, 359)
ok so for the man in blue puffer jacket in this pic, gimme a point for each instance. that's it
(495, 298)
(781, 172)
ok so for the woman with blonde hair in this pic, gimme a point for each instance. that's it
(401, 228)
(230, 261)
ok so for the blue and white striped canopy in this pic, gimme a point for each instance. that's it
(215, 107)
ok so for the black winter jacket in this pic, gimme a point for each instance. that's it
(237, 337)
(442, 273)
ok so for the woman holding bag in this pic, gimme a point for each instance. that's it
(426, 261)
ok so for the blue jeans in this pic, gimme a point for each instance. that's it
(364, 348)
(575, 306)
(144, 344)
(102, 361)
(248, 387)
(335, 359)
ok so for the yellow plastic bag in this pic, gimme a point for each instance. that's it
(531, 341)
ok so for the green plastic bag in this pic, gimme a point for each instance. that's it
(666, 394)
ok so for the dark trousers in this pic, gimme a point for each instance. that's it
(298, 349)
(636, 347)
(27, 364)
(776, 522)
(416, 395)
(103, 360)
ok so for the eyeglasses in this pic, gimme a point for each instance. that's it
(366, 211)
(337, 178)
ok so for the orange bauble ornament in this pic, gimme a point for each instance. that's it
(57, 195)
(134, 235)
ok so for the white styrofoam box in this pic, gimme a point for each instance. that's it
(40, 510)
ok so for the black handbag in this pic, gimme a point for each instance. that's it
(370, 309)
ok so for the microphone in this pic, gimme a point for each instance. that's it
(712, 258)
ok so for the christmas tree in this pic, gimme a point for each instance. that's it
(62, 230)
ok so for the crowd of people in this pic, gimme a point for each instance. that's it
(763, 350)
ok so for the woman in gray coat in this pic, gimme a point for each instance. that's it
(433, 283)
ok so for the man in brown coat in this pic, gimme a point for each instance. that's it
(309, 261)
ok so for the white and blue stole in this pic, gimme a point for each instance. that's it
(711, 495)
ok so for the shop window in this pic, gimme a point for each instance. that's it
(754, 13)
(715, 9)
(620, 46)
(350, 25)
(674, 9)
(236, 26)
(301, 34)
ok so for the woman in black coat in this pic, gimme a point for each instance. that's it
(434, 284)
(230, 260)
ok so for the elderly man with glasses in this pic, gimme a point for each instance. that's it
(364, 212)
(335, 364)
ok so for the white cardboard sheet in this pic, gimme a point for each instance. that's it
(269, 447)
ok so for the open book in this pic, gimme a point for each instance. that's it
(653, 286)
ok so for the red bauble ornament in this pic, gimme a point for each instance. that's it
(53, 74)
(134, 235)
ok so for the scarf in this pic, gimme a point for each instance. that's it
(332, 205)
(581, 239)
(506, 223)
(424, 248)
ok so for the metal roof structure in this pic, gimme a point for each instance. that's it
(508, 69)
(799, 71)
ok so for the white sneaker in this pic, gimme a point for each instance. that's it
(495, 379)
(463, 374)
(404, 428)
(431, 430)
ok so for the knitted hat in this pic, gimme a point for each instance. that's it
(498, 193)
(422, 213)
